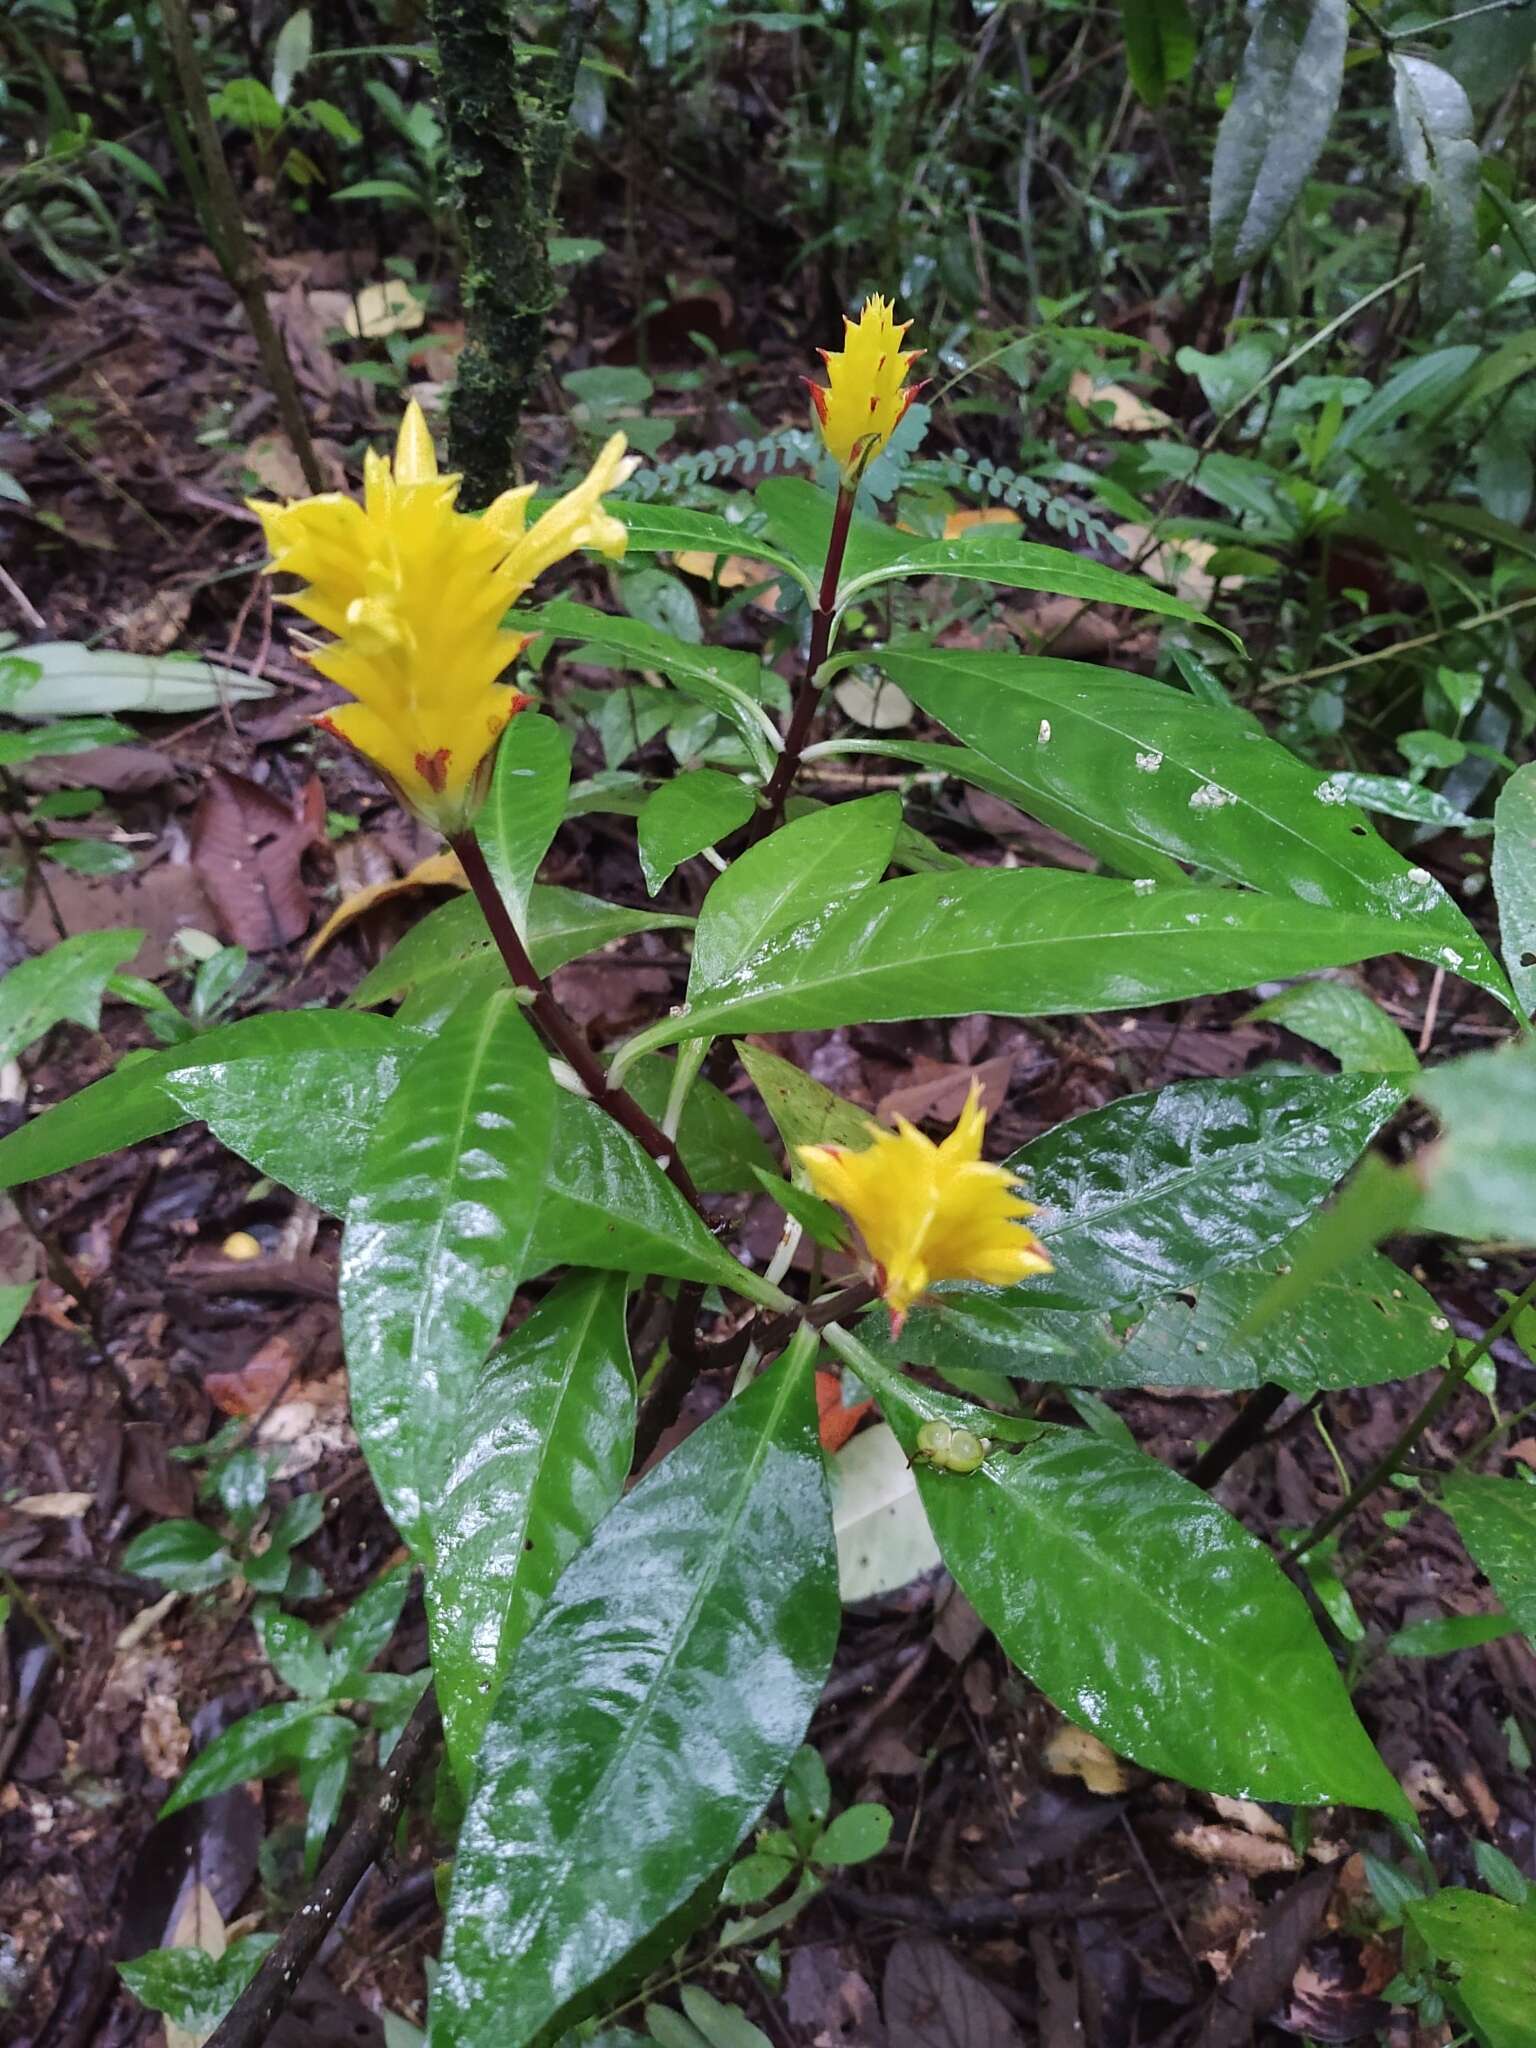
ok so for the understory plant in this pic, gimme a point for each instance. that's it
(626, 1672)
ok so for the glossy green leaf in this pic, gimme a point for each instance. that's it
(1442, 1636)
(525, 807)
(672, 529)
(1159, 45)
(543, 1447)
(1422, 385)
(1096, 1568)
(804, 1112)
(729, 680)
(65, 984)
(607, 1204)
(1514, 878)
(1487, 1948)
(1019, 943)
(686, 814)
(1161, 1190)
(270, 1739)
(719, 1144)
(797, 873)
(1345, 1021)
(191, 1987)
(133, 1102)
(295, 1652)
(1496, 1519)
(857, 1833)
(182, 1554)
(13, 1306)
(61, 736)
(814, 1215)
(647, 1717)
(304, 1118)
(562, 925)
(1156, 765)
(437, 1238)
(1479, 1181)
(1276, 122)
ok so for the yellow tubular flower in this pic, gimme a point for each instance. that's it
(930, 1212)
(415, 591)
(864, 402)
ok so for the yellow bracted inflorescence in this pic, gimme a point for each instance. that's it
(863, 401)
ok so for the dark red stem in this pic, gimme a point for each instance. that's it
(808, 693)
(560, 1034)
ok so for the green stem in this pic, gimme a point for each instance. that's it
(1378, 1475)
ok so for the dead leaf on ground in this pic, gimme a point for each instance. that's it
(932, 2001)
(388, 307)
(838, 1422)
(165, 1742)
(153, 626)
(1269, 1963)
(939, 1090)
(1247, 1813)
(1231, 1849)
(273, 461)
(875, 703)
(54, 1507)
(257, 1383)
(302, 318)
(248, 846)
(1131, 414)
(1076, 629)
(1179, 563)
(734, 572)
(827, 1999)
(1074, 1753)
(437, 871)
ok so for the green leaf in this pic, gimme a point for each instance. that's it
(1119, 759)
(607, 1204)
(1159, 45)
(75, 678)
(192, 1988)
(65, 736)
(688, 813)
(702, 1617)
(65, 984)
(795, 874)
(269, 1740)
(525, 807)
(1496, 1519)
(1162, 1190)
(822, 1221)
(1423, 385)
(718, 2025)
(1094, 1566)
(1435, 133)
(13, 1305)
(291, 53)
(562, 925)
(1488, 1948)
(1442, 1636)
(437, 1238)
(857, 1834)
(1345, 1021)
(718, 1143)
(1031, 943)
(1480, 1180)
(807, 1795)
(295, 1652)
(803, 1111)
(1275, 124)
(545, 1439)
(657, 528)
(755, 1877)
(134, 1101)
(727, 679)
(90, 856)
(1514, 879)
(302, 1117)
(181, 1554)
(364, 1631)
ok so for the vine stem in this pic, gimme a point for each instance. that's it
(1378, 1475)
(559, 1033)
(803, 710)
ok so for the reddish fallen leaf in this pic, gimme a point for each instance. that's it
(248, 846)
(257, 1383)
(837, 1422)
(938, 1090)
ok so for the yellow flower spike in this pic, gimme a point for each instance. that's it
(930, 1212)
(414, 592)
(863, 402)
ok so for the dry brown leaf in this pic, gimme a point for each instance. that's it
(388, 307)
(1425, 1786)
(437, 871)
(1076, 630)
(165, 1741)
(1231, 1849)
(154, 625)
(938, 1090)
(248, 845)
(1180, 564)
(54, 1507)
(1247, 1813)
(989, 515)
(132, 1633)
(276, 467)
(736, 572)
(1132, 414)
(257, 1383)
(1073, 1753)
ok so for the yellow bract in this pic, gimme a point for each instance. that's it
(415, 592)
(864, 402)
(930, 1212)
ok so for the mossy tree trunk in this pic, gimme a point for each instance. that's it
(506, 117)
